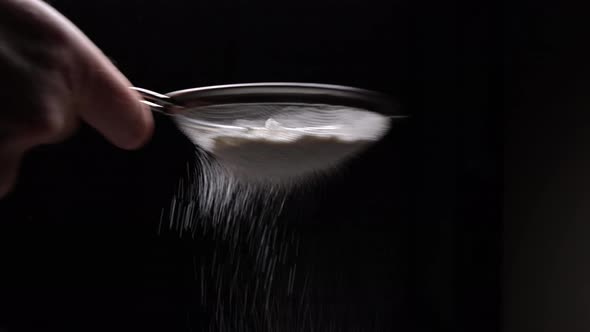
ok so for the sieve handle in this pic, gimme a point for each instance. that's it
(157, 100)
(164, 104)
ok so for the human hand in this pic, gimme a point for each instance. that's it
(52, 76)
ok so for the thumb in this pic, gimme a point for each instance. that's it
(102, 96)
(107, 104)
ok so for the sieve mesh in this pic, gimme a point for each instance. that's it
(281, 121)
(276, 140)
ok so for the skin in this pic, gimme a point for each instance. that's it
(51, 78)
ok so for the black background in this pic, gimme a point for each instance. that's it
(546, 167)
(413, 225)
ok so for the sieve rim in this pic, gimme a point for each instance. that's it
(286, 92)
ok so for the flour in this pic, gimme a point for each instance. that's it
(281, 142)
(248, 158)
(250, 275)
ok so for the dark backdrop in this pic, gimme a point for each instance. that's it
(413, 225)
(547, 161)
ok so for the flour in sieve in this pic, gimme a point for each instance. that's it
(278, 142)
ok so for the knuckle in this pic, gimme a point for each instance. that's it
(54, 97)
(58, 65)
(49, 119)
(39, 120)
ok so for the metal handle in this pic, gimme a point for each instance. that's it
(164, 104)
(157, 101)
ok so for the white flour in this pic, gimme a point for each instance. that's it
(234, 196)
(279, 142)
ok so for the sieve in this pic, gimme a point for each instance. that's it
(277, 130)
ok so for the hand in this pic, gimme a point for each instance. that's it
(51, 76)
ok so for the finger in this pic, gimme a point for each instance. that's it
(101, 93)
(109, 105)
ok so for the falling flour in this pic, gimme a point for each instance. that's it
(249, 281)
(249, 157)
